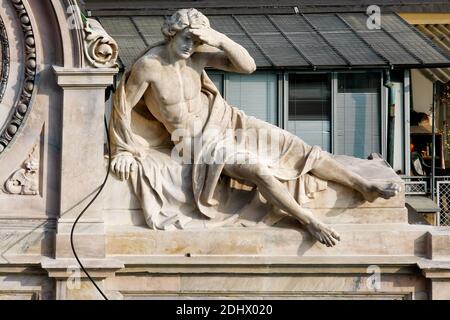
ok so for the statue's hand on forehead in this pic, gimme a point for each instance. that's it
(196, 26)
(208, 36)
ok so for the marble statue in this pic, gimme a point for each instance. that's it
(193, 160)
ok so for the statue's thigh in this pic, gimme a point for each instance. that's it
(249, 172)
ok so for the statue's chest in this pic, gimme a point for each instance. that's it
(178, 85)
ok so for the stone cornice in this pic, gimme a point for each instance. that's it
(84, 78)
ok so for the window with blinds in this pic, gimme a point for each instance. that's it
(309, 115)
(255, 94)
(358, 114)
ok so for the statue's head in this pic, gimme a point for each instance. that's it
(176, 30)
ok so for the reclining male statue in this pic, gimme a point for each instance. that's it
(167, 102)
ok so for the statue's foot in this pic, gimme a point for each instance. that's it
(323, 233)
(381, 190)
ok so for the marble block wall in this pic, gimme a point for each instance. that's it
(280, 261)
(52, 163)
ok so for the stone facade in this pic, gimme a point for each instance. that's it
(55, 70)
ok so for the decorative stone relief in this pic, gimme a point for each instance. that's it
(25, 181)
(4, 59)
(101, 50)
(23, 105)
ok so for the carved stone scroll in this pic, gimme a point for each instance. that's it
(101, 50)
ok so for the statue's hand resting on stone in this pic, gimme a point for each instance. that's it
(123, 165)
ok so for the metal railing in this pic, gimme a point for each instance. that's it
(416, 185)
(421, 185)
(443, 200)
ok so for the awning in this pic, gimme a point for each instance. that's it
(301, 41)
(440, 35)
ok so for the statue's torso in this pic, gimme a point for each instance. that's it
(174, 97)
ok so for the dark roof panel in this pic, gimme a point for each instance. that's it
(291, 23)
(440, 35)
(412, 40)
(247, 43)
(127, 36)
(122, 26)
(299, 40)
(149, 26)
(417, 46)
(315, 49)
(312, 45)
(386, 46)
(342, 38)
(130, 49)
(230, 26)
(353, 49)
(256, 24)
(326, 22)
(225, 24)
(271, 41)
(279, 50)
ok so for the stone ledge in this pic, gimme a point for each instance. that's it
(435, 269)
(84, 78)
(286, 240)
(236, 260)
(97, 268)
(266, 265)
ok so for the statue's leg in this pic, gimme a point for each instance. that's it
(276, 193)
(331, 170)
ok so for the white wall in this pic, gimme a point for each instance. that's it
(422, 90)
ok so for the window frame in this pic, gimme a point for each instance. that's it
(286, 101)
(334, 92)
(383, 107)
(278, 90)
(283, 100)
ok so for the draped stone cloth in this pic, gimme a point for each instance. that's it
(197, 194)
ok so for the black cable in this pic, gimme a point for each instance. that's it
(87, 207)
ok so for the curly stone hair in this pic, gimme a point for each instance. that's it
(182, 19)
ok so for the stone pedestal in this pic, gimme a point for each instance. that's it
(380, 255)
(82, 155)
(82, 174)
(57, 119)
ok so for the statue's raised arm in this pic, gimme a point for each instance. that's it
(220, 52)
